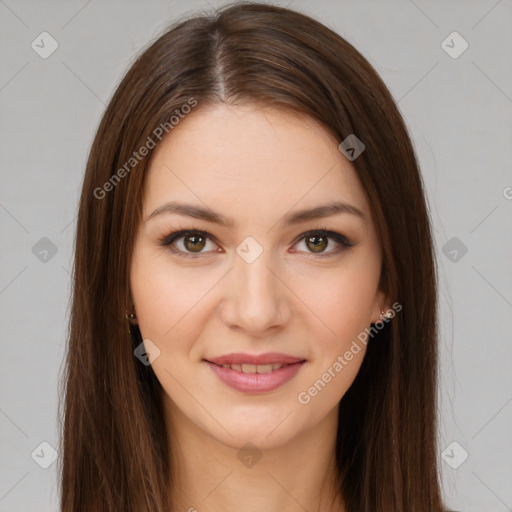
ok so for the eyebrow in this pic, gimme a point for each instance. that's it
(291, 218)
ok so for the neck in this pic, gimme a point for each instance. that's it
(211, 476)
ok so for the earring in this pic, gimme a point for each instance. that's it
(130, 317)
(388, 315)
(133, 330)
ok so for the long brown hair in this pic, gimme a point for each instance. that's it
(113, 441)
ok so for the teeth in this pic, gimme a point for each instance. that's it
(253, 368)
(264, 368)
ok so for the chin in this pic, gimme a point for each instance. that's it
(255, 437)
(264, 427)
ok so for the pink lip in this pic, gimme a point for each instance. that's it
(256, 382)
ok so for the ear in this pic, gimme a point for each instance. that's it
(381, 303)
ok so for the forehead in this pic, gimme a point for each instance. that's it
(252, 160)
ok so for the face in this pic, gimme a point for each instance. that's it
(249, 298)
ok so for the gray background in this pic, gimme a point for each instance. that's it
(458, 111)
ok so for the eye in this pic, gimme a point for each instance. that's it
(189, 243)
(317, 241)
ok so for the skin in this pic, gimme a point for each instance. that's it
(253, 165)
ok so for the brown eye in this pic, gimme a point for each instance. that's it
(316, 243)
(324, 243)
(194, 243)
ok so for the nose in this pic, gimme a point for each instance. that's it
(256, 300)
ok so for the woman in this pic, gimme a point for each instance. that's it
(254, 317)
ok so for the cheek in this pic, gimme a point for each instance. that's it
(342, 301)
(167, 297)
(340, 311)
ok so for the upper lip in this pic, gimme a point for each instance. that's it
(268, 358)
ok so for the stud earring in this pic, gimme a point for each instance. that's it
(388, 315)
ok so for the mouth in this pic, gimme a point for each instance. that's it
(255, 373)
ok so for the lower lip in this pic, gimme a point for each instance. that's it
(255, 382)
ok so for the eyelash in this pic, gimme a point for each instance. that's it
(168, 240)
